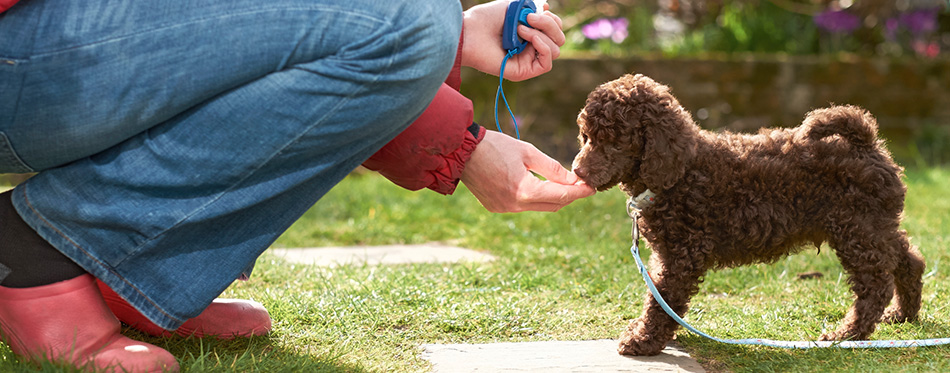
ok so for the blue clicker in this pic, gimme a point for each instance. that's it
(517, 12)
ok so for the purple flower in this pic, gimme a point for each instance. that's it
(917, 23)
(921, 21)
(615, 29)
(891, 25)
(837, 21)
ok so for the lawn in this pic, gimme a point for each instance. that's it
(560, 276)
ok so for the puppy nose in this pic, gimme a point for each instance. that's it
(580, 172)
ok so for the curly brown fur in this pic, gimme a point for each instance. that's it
(724, 200)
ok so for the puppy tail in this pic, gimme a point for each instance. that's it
(852, 123)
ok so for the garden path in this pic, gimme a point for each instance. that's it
(553, 356)
(376, 255)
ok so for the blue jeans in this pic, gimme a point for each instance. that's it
(176, 140)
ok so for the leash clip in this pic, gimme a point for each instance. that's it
(633, 211)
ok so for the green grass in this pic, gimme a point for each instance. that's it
(560, 276)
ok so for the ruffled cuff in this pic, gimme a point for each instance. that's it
(446, 179)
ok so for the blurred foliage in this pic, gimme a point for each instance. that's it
(749, 26)
(930, 146)
(919, 28)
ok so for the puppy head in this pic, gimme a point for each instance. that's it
(633, 130)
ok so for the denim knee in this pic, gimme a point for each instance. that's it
(438, 25)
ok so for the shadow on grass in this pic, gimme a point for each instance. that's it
(256, 354)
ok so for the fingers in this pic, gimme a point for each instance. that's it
(545, 39)
(548, 167)
(534, 194)
(549, 196)
(549, 24)
(560, 189)
(544, 55)
(557, 19)
(499, 176)
(547, 29)
(537, 195)
(536, 59)
(481, 46)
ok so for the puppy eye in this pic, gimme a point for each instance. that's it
(584, 137)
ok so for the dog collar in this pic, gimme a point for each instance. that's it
(643, 200)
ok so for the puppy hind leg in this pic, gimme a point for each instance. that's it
(908, 282)
(870, 269)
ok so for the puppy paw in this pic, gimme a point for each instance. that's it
(636, 343)
(634, 349)
(894, 315)
(833, 336)
(843, 335)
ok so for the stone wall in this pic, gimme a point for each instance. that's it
(738, 93)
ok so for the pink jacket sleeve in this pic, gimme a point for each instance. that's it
(432, 152)
(6, 4)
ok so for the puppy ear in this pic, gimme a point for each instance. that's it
(669, 145)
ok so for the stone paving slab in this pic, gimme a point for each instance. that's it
(555, 356)
(376, 255)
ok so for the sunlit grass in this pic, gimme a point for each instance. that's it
(560, 276)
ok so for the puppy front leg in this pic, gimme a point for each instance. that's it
(649, 333)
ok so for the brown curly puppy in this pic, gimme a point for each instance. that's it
(724, 200)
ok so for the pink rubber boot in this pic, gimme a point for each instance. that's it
(68, 322)
(224, 318)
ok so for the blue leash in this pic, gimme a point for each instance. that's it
(516, 14)
(501, 93)
(634, 212)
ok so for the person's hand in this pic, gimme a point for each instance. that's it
(499, 175)
(481, 44)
